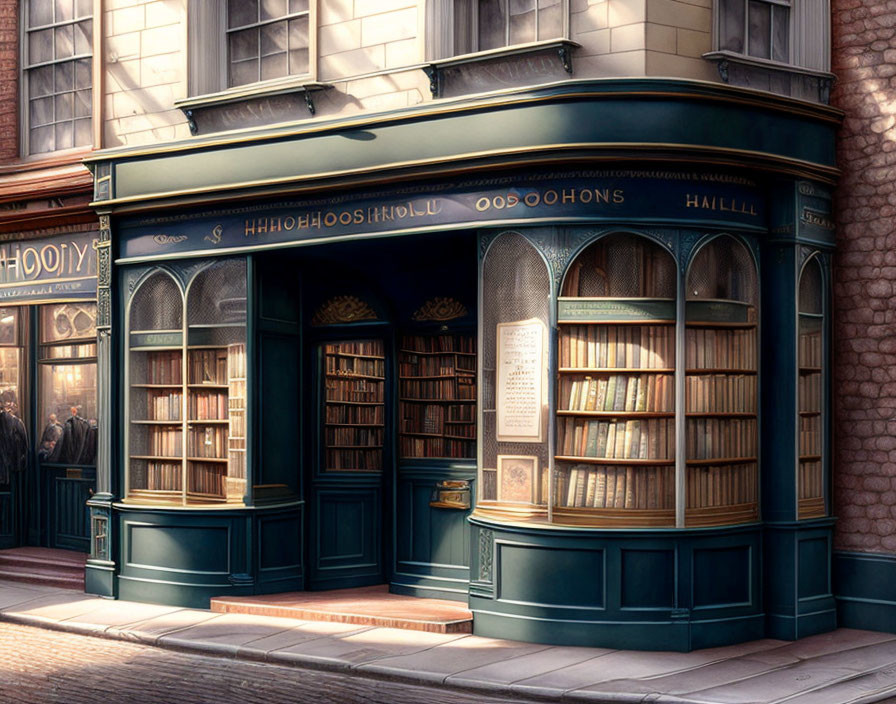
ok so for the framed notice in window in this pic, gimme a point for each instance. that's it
(520, 381)
(516, 478)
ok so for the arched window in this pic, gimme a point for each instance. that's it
(811, 363)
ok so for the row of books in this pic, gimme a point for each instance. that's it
(236, 361)
(713, 438)
(720, 393)
(411, 365)
(165, 442)
(236, 466)
(208, 441)
(356, 390)
(811, 480)
(443, 389)
(413, 447)
(208, 366)
(164, 476)
(355, 437)
(810, 354)
(355, 366)
(809, 392)
(584, 486)
(354, 459)
(462, 412)
(365, 348)
(439, 343)
(354, 414)
(237, 425)
(419, 418)
(727, 485)
(720, 349)
(618, 392)
(640, 268)
(810, 435)
(164, 406)
(206, 478)
(617, 346)
(164, 368)
(653, 438)
(207, 405)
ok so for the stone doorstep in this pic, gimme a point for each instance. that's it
(52, 568)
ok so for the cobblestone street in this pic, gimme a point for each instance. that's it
(40, 666)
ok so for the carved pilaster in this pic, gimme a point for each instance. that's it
(486, 554)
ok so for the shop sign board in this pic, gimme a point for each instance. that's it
(50, 268)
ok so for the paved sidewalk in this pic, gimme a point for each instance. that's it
(846, 666)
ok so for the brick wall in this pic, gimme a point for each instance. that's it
(9, 80)
(864, 59)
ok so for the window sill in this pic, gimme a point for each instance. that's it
(219, 108)
(727, 59)
(46, 160)
(436, 70)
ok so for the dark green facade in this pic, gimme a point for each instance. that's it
(401, 208)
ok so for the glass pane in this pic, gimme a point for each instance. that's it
(68, 351)
(68, 411)
(64, 10)
(273, 40)
(65, 75)
(67, 321)
(760, 29)
(272, 9)
(83, 133)
(273, 66)
(83, 8)
(298, 46)
(82, 103)
(9, 326)
(10, 361)
(723, 270)
(82, 73)
(811, 288)
(492, 24)
(157, 305)
(463, 26)
(41, 112)
(731, 25)
(550, 19)
(522, 21)
(243, 45)
(41, 140)
(244, 72)
(242, 12)
(298, 6)
(64, 106)
(39, 13)
(40, 47)
(83, 35)
(40, 81)
(64, 135)
(65, 41)
(781, 34)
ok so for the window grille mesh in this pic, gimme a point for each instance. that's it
(218, 294)
(622, 266)
(157, 305)
(811, 288)
(723, 270)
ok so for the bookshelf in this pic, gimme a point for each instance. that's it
(810, 394)
(354, 410)
(437, 396)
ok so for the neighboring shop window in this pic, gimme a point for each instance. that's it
(811, 363)
(13, 438)
(187, 424)
(57, 53)
(267, 39)
(67, 384)
(759, 28)
(515, 461)
(480, 25)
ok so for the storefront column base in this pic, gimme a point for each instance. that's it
(99, 578)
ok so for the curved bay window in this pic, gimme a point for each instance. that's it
(187, 425)
(721, 363)
(67, 397)
(516, 290)
(810, 361)
(615, 442)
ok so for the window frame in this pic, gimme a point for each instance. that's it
(24, 69)
(745, 30)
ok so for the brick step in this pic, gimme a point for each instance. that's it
(46, 577)
(17, 560)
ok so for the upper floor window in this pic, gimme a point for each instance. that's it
(266, 39)
(56, 61)
(480, 25)
(758, 28)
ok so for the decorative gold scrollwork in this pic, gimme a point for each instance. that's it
(440, 309)
(343, 309)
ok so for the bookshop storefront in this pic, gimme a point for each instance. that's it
(576, 376)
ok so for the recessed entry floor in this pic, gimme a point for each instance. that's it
(367, 606)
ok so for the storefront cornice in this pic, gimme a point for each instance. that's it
(580, 120)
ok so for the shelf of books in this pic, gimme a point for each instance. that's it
(811, 474)
(437, 392)
(720, 400)
(615, 462)
(156, 425)
(354, 413)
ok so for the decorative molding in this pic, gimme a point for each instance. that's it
(486, 554)
(343, 309)
(440, 309)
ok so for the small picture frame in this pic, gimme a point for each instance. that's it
(516, 478)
